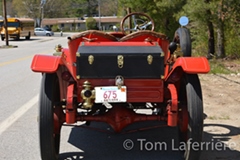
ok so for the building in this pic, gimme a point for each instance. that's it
(79, 24)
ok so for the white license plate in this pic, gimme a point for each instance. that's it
(110, 94)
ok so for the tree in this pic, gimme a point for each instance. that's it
(1, 9)
(202, 25)
(27, 8)
(211, 39)
(81, 8)
(109, 7)
(91, 23)
(31, 8)
(164, 13)
(9, 8)
(220, 30)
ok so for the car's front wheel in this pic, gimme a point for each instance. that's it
(49, 124)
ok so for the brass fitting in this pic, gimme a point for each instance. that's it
(178, 53)
(88, 95)
(58, 50)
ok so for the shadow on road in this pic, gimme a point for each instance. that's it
(228, 79)
(23, 39)
(217, 144)
(155, 143)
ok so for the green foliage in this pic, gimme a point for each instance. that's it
(225, 12)
(55, 28)
(31, 8)
(91, 23)
(81, 7)
(164, 13)
(218, 68)
(232, 43)
(1, 9)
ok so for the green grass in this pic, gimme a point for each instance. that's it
(217, 67)
(223, 117)
(9, 46)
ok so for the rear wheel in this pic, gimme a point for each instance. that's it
(17, 37)
(190, 116)
(49, 124)
(2, 38)
(28, 37)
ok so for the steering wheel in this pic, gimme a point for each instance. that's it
(141, 21)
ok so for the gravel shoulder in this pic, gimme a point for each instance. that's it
(221, 96)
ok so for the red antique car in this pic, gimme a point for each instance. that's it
(108, 75)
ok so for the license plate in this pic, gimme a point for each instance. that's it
(112, 94)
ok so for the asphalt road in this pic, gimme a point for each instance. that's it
(19, 89)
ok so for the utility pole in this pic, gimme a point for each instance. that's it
(41, 12)
(99, 15)
(5, 22)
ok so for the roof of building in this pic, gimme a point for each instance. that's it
(52, 21)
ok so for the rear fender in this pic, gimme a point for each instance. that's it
(189, 65)
(45, 63)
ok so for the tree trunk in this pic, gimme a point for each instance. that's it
(211, 39)
(220, 41)
(220, 32)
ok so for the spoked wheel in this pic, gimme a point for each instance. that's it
(183, 38)
(190, 116)
(49, 117)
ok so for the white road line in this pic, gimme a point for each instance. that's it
(17, 114)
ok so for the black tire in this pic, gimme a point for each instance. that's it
(48, 34)
(17, 37)
(183, 38)
(29, 36)
(49, 95)
(191, 105)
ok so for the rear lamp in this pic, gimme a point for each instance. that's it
(87, 93)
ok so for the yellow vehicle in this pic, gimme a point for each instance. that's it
(1, 25)
(18, 27)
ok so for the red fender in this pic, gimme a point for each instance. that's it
(45, 63)
(190, 65)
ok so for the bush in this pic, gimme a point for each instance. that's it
(55, 28)
(91, 23)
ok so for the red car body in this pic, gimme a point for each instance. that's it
(139, 64)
